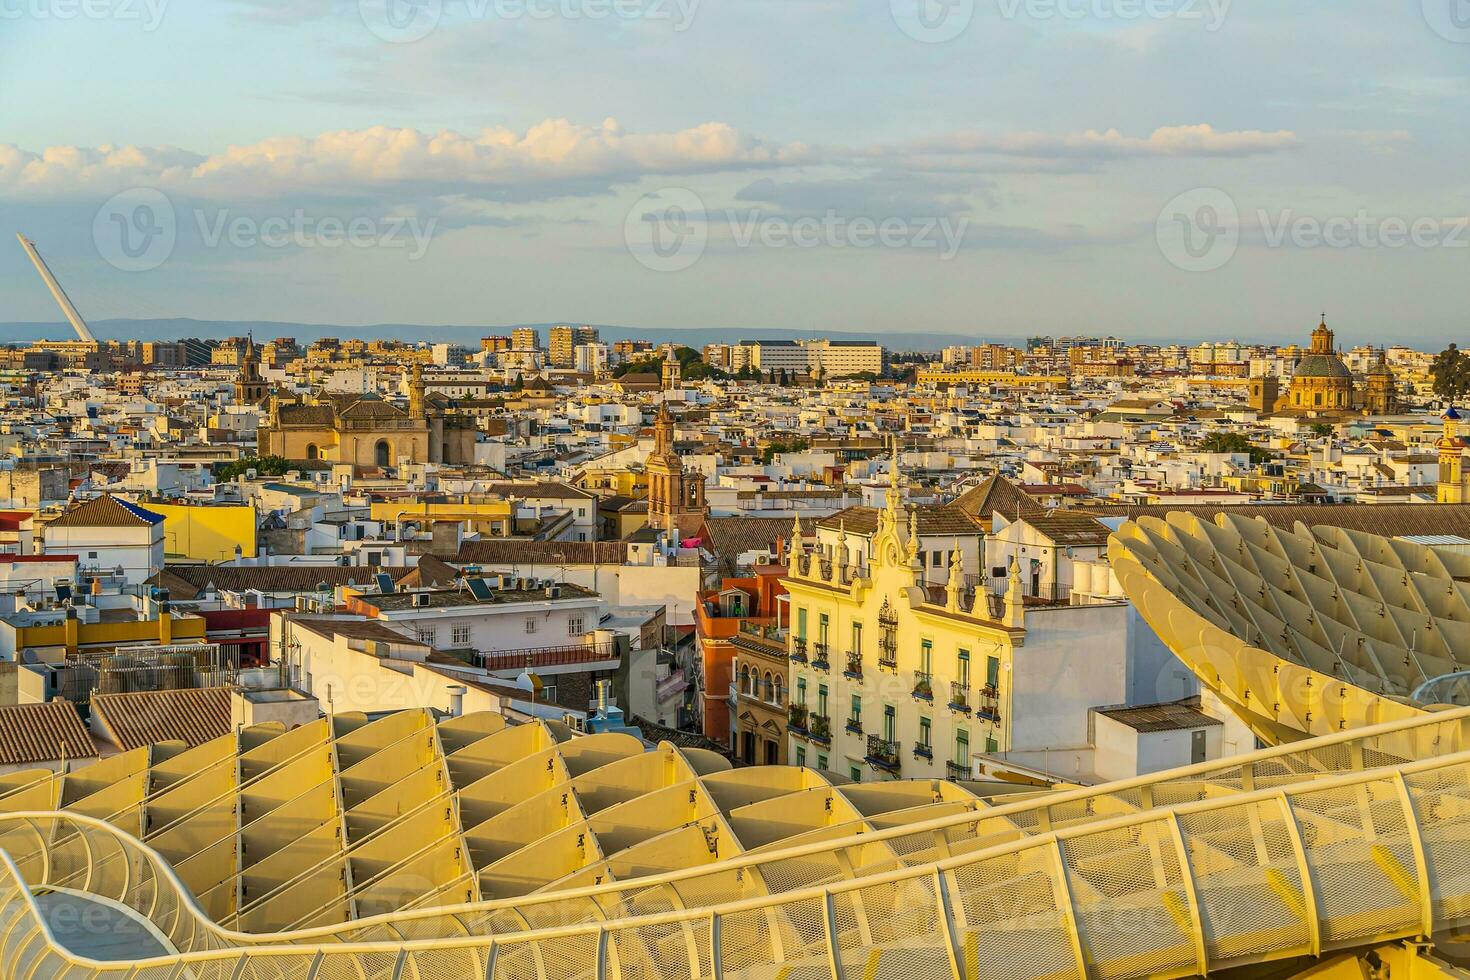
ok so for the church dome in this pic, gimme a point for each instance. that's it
(1321, 366)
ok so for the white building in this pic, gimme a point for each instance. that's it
(110, 537)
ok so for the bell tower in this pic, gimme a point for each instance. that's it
(250, 387)
(675, 496)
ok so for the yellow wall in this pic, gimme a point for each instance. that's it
(206, 533)
(73, 634)
(484, 517)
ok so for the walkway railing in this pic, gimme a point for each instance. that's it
(1338, 843)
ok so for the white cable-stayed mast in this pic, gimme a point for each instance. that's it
(57, 293)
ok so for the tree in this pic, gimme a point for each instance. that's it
(1322, 429)
(1234, 442)
(774, 449)
(1451, 372)
(262, 465)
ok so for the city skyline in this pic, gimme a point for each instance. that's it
(358, 180)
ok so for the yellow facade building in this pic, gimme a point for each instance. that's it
(211, 533)
(893, 679)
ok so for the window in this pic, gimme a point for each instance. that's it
(574, 626)
(856, 772)
(992, 746)
(461, 636)
(992, 672)
(962, 747)
(801, 623)
(822, 700)
(857, 637)
(428, 636)
(548, 693)
(936, 558)
(890, 723)
(964, 670)
(530, 624)
(926, 733)
(822, 629)
(801, 691)
(857, 709)
(91, 554)
(926, 656)
(800, 755)
(821, 762)
(744, 679)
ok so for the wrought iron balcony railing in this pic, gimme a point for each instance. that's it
(854, 666)
(959, 697)
(923, 685)
(883, 753)
(798, 649)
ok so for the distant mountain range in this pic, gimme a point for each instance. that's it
(174, 329)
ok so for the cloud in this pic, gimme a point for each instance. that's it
(1199, 140)
(553, 158)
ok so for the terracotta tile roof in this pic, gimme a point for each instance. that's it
(188, 581)
(502, 552)
(732, 536)
(306, 414)
(31, 733)
(1070, 528)
(997, 494)
(192, 716)
(107, 511)
(933, 519)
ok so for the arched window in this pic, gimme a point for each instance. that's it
(312, 452)
(745, 680)
(766, 688)
(779, 692)
(383, 454)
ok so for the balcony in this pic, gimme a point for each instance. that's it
(959, 770)
(821, 729)
(923, 750)
(888, 654)
(798, 649)
(598, 656)
(883, 753)
(854, 726)
(959, 697)
(923, 686)
(989, 707)
(819, 657)
(796, 719)
(854, 669)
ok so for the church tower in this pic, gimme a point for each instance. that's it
(1382, 394)
(673, 374)
(250, 387)
(675, 496)
(1451, 447)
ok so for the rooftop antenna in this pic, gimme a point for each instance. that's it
(57, 293)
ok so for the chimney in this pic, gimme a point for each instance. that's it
(456, 700)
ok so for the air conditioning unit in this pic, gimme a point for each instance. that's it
(762, 559)
(421, 600)
(553, 592)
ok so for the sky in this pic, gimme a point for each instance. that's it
(1152, 169)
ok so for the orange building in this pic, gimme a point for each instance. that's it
(740, 629)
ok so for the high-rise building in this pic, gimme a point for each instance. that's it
(525, 338)
(564, 343)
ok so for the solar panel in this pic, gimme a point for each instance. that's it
(385, 582)
(480, 589)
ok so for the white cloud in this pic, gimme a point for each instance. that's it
(551, 158)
